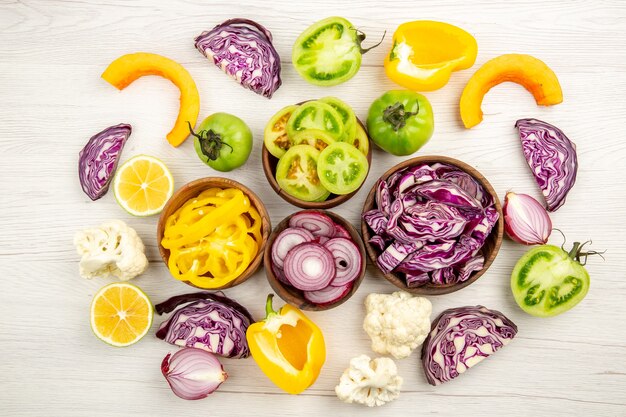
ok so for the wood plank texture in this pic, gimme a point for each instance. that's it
(52, 100)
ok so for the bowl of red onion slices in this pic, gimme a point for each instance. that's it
(315, 259)
(432, 225)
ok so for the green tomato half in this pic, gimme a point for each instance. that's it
(223, 142)
(400, 122)
(547, 281)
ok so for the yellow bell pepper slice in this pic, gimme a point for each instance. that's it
(528, 71)
(288, 347)
(425, 53)
(127, 68)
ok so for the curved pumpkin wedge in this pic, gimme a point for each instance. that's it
(528, 71)
(127, 68)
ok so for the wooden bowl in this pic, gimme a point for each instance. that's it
(269, 167)
(293, 295)
(193, 189)
(489, 250)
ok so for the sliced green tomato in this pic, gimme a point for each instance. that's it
(296, 173)
(314, 137)
(347, 116)
(546, 281)
(342, 168)
(327, 52)
(322, 198)
(275, 136)
(315, 115)
(361, 141)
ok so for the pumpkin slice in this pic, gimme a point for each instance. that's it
(528, 71)
(127, 68)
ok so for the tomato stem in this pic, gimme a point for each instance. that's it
(210, 142)
(577, 254)
(360, 37)
(397, 116)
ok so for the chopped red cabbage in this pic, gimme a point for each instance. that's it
(243, 49)
(98, 159)
(461, 338)
(551, 157)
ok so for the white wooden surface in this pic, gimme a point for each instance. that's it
(52, 100)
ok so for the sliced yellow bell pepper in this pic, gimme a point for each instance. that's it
(425, 53)
(127, 68)
(288, 347)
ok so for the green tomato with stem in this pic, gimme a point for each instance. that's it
(223, 141)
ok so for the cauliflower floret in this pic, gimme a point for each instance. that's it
(369, 382)
(113, 248)
(396, 323)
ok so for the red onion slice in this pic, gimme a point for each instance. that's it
(525, 219)
(193, 373)
(287, 239)
(309, 267)
(341, 231)
(327, 295)
(314, 221)
(347, 260)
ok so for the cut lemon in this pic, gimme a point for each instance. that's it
(143, 185)
(121, 314)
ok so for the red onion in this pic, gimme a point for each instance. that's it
(525, 219)
(287, 239)
(328, 295)
(193, 373)
(341, 231)
(97, 161)
(347, 260)
(309, 267)
(314, 221)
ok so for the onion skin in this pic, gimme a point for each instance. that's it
(192, 373)
(98, 159)
(526, 221)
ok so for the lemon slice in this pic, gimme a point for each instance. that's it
(143, 185)
(121, 314)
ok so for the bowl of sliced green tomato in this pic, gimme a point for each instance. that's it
(316, 154)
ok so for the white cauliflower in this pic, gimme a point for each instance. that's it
(369, 382)
(397, 323)
(113, 248)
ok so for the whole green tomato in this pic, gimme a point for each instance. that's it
(400, 122)
(223, 142)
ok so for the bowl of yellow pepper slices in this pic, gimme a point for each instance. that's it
(212, 233)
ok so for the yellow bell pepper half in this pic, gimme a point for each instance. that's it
(425, 53)
(288, 347)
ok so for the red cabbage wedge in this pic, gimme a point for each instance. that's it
(97, 161)
(462, 337)
(243, 49)
(209, 321)
(552, 158)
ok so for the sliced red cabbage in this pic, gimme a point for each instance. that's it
(327, 295)
(416, 279)
(208, 321)
(446, 192)
(473, 264)
(243, 49)
(428, 222)
(395, 253)
(378, 242)
(376, 220)
(462, 337)
(309, 267)
(98, 159)
(551, 157)
(443, 276)
(286, 240)
(348, 260)
(383, 197)
(314, 221)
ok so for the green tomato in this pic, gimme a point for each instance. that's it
(547, 281)
(342, 168)
(223, 141)
(315, 115)
(275, 135)
(318, 139)
(347, 116)
(296, 173)
(400, 122)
